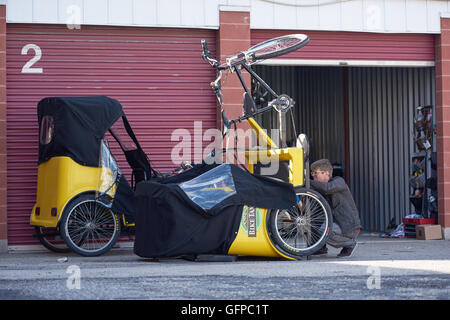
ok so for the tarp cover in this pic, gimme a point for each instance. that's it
(79, 123)
(172, 221)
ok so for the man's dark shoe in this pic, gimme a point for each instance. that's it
(323, 250)
(347, 252)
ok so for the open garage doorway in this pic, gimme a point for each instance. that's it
(362, 119)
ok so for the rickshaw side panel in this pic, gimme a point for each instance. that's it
(260, 244)
(60, 179)
(254, 240)
(272, 153)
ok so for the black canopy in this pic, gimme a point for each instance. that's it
(170, 222)
(78, 125)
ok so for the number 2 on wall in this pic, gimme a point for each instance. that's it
(37, 56)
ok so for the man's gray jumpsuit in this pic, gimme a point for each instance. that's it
(345, 213)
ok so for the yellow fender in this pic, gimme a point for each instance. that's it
(61, 179)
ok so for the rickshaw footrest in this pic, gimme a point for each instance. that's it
(210, 258)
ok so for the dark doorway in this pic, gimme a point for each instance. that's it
(361, 118)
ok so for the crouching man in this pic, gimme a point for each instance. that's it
(346, 226)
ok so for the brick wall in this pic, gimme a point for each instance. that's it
(443, 123)
(234, 37)
(3, 197)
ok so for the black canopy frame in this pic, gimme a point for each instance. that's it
(79, 125)
(77, 129)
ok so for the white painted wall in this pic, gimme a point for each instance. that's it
(390, 16)
(168, 13)
(402, 16)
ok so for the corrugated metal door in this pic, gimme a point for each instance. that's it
(157, 74)
(356, 45)
(319, 103)
(381, 104)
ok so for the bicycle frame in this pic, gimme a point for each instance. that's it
(260, 242)
(293, 155)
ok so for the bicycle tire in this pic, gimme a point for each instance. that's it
(88, 227)
(312, 220)
(49, 238)
(278, 46)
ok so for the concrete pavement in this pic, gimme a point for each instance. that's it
(380, 269)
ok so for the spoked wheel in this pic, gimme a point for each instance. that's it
(51, 239)
(278, 46)
(88, 227)
(304, 229)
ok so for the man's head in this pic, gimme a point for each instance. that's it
(322, 170)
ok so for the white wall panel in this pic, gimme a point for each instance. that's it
(70, 11)
(434, 8)
(373, 13)
(120, 12)
(187, 13)
(95, 12)
(45, 10)
(393, 16)
(211, 13)
(144, 12)
(192, 12)
(19, 11)
(262, 15)
(284, 16)
(416, 15)
(308, 16)
(236, 2)
(329, 15)
(169, 12)
(352, 18)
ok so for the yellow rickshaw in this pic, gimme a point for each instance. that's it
(84, 202)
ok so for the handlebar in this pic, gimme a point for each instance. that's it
(232, 62)
(238, 59)
(206, 55)
(281, 103)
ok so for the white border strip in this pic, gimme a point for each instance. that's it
(224, 7)
(40, 248)
(27, 248)
(345, 63)
(209, 27)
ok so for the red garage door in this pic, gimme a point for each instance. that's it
(328, 45)
(156, 74)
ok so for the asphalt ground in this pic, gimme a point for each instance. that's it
(381, 269)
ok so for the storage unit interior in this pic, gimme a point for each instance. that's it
(361, 118)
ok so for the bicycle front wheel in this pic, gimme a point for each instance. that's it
(278, 46)
(304, 229)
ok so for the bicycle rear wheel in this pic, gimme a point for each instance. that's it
(51, 239)
(278, 46)
(88, 227)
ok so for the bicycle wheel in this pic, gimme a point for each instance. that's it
(88, 227)
(278, 46)
(302, 230)
(51, 239)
